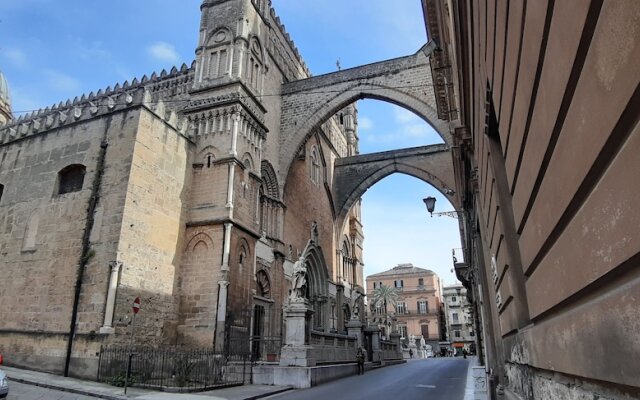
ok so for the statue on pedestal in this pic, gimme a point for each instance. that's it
(298, 280)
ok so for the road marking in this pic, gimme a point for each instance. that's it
(427, 386)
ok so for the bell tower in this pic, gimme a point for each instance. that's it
(230, 45)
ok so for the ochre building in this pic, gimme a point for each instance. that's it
(416, 313)
(170, 188)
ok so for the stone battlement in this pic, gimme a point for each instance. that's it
(138, 92)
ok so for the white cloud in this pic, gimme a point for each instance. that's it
(61, 82)
(164, 52)
(365, 123)
(416, 131)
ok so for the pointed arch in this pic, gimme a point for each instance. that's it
(270, 180)
(198, 239)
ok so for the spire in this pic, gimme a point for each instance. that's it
(5, 100)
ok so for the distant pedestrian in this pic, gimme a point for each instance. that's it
(360, 361)
(410, 353)
(464, 353)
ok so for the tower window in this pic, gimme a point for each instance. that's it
(71, 179)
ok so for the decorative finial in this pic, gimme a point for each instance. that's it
(338, 64)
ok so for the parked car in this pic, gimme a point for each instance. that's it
(4, 383)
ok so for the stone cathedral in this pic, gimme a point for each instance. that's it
(171, 188)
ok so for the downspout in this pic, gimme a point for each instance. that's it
(86, 251)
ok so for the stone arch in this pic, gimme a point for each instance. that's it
(439, 174)
(263, 284)
(219, 36)
(270, 180)
(247, 161)
(296, 140)
(207, 156)
(317, 283)
(243, 253)
(198, 239)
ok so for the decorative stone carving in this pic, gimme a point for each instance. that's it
(298, 280)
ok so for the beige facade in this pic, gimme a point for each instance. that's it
(417, 311)
(169, 188)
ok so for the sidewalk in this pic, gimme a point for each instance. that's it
(103, 391)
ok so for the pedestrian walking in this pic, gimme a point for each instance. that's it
(410, 353)
(360, 361)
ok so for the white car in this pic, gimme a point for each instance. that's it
(4, 385)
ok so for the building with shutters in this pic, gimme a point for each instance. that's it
(417, 310)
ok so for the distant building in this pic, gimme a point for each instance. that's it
(417, 310)
(460, 329)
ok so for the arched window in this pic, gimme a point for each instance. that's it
(346, 261)
(315, 166)
(208, 160)
(242, 257)
(71, 179)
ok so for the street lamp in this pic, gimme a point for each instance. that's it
(430, 202)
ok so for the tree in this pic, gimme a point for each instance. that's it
(384, 296)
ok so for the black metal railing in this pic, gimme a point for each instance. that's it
(170, 367)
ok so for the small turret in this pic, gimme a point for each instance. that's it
(5, 101)
(349, 121)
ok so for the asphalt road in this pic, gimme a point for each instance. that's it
(19, 391)
(433, 379)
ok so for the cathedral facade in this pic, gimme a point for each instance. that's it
(169, 189)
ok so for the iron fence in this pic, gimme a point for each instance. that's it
(172, 368)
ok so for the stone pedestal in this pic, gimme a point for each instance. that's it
(374, 331)
(354, 328)
(296, 350)
(395, 338)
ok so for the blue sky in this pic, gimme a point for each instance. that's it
(51, 50)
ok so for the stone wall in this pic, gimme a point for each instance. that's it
(552, 112)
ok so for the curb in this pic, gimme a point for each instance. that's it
(263, 395)
(68, 390)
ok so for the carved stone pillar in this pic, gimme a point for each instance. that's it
(221, 317)
(107, 326)
(296, 350)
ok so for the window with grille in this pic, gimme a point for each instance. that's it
(423, 307)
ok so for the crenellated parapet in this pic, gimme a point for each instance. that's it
(164, 93)
(281, 54)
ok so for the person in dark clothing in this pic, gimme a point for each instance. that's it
(360, 361)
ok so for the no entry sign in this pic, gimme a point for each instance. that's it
(136, 305)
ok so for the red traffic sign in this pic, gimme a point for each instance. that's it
(136, 305)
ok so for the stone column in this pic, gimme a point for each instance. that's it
(395, 338)
(296, 350)
(354, 328)
(107, 326)
(221, 317)
(375, 342)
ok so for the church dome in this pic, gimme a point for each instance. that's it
(4, 90)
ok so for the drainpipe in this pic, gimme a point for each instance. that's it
(86, 250)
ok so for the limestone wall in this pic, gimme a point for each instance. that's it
(42, 234)
(152, 234)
